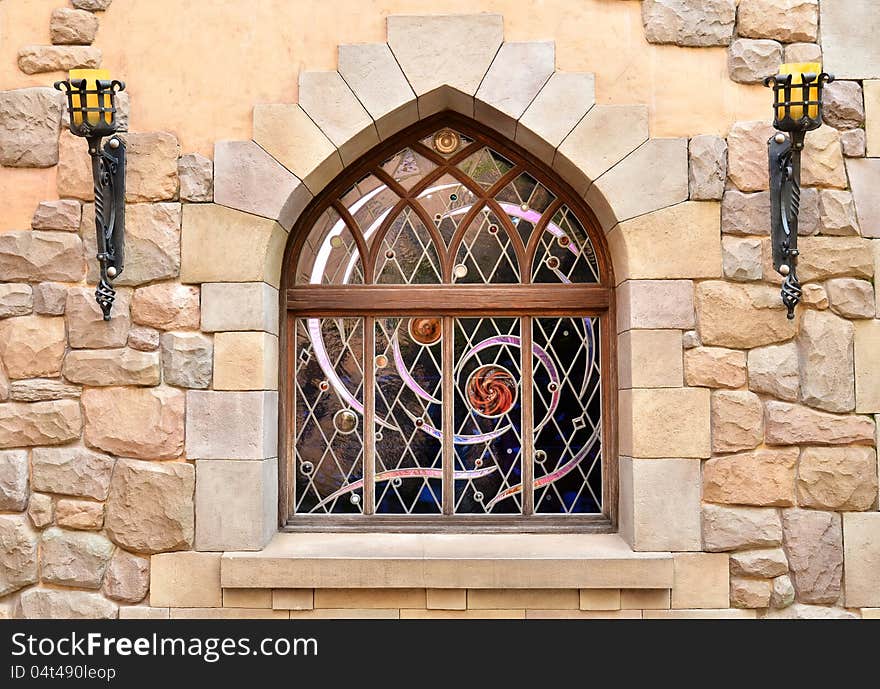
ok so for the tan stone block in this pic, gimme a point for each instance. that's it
(86, 327)
(689, 24)
(660, 504)
(605, 135)
(814, 546)
(837, 212)
(765, 477)
(370, 598)
(231, 425)
(750, 61)
(293, 599)
(741, 258)
(219, 244)
(784, 20)
(827, 257)
(349, 614)
(185, 580)
(701, 580)
(737, 420)
(374, 76)
(541, 599)
(39, 423)
(871, 91)
(763, 563)
(79, 514)
(227, 614)
(867, 366)
(645, 599)
(328, 100)
(239, 306)
(102, 367)
(143, 612)
(74, 169)
(29, 122)
(792, 424)
(71, 471)
(815, 297)
(649, 359)
(871, 613)
(15, 300)
(248, 179)
(715, 367)
(196, 173)
(599, 599)
(803, 52)
(838, 478)
(659, 168)
(851, 298)
(515, 77)
(294, 140)
(462, 614)
(151, 167)
(702, 614)
(49, 298)
(229, 518)
(245, 361)
(677, 242)
(72, 27)
(439, 51)
(558, 107)
(665, 422)
(166, 306)
(822, 163)
(247, 598)
(774, 371)
(63, 215)
(750, 593)
(583, 614)
(645, 304)
(747, 155)
(128, 577)
(32, 346)
(733, 528)
(741, 316)
(446, 599)
(32, 256)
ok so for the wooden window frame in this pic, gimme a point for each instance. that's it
(525, 300)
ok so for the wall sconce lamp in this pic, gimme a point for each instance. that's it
(91, 105)
(797, 109)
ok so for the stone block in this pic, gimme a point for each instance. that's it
(41, 510)
(231, 425)
(734, 528)
(377, 81)
(514, 78)
(13, 480)
(535, 599)
(37, 256)
(19, 548)
(741, 258)
(245, 361)
(328, 100)
(16, 299)
(700, 614)
(822, 163)
(32, 346)
(247, 598)
(867, 366)
(50, 298)
(227, 614)
(864, 176)
(854, 143)
(39, 423)
(849, 33)
(295, 599)
(750, 61)
(827, 257)
(783, 593)
(707, 167)
(681, 241)
(601, 139)
(825, 352)
(737, 417)
(648, 304)
(72, 471)
(86, 327)
(814, 296)
(184, 580)
(151, 167)
(166, 306)
(851, 298)
(375, 598)
(74, 178)
(646, 599)
(659, 167)
(196, 174)
(187, 360)
(150, 506)
(142, 612)
(800, 611)
(219, 244)
(54, 604)
(248, 179)
(42, 390)
(714, 367)
(294, 140)
(63, 215)
(792, 424)
(82, 515)
(688, 24)
(72, 27)
(143, 338)
(30, 120)
(763, 563)
(145, 423)
(649, 359)
(814, 545)
(741, 316)
(229, 518)
(239, 306)
(551, 116)
(747, 154)
(445, 57)
(745, 214)
(128, 577)
(103, 367)
(765, 478)
(92, 5)
(871, 93)
(71, 558)
(750, 593)
(446, 599)
(803, 52)
(861, 538)
(838, 478)
(600, 599)
(784, 20)
(837, 213)
(664, 422)
(842, 105)
(660, 504)
(701, 580)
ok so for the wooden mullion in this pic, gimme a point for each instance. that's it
(369, 455)
(527, 456)
(448, 406)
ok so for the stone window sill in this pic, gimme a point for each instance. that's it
(394, 560)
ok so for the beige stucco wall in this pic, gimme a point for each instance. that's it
(196, 68)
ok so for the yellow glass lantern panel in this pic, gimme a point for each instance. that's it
(92, 76)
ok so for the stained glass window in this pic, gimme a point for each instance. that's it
(447, 341)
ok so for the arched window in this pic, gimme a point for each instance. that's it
(448, 350)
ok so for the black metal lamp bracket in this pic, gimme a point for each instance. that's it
(784, 154)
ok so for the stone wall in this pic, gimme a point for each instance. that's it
(747, 441)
